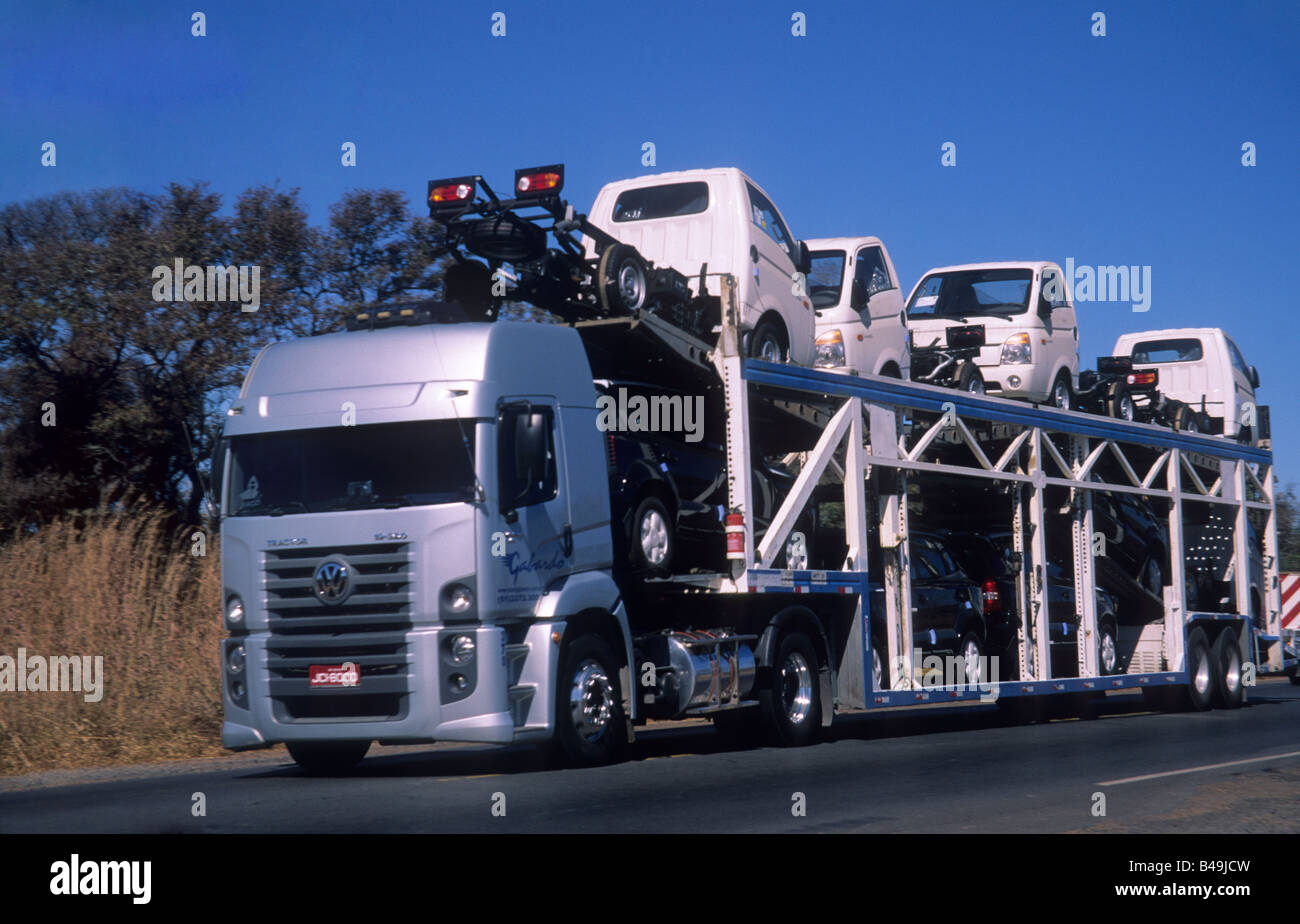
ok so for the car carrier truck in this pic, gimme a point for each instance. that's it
(416, 545)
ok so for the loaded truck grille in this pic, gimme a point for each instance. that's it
(366, 629)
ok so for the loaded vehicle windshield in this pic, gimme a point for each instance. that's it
(343, 468)
(826, 279)
(962, 294)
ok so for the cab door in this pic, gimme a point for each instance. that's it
(884, 327)
(772, 255)
(1058, 336)
(531, 539)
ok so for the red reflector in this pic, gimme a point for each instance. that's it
(455, 192)
(537, 182)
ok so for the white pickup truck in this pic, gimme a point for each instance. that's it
(1022, 309)
(652, 245)
(861, 326)
(1202, 367)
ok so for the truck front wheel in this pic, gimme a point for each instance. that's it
(970, 379)
(328, 758)
(791, 704)
(767, 342)
(589, 722)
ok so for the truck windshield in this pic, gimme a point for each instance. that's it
(826, 280)
(667, 201)
(966, 293)
(346, 468)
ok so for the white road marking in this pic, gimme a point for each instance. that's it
(1231, 763)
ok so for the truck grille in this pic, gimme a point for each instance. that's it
(367, 629)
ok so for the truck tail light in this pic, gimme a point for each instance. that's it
(538, 181)
(992, 598)
(450, 193)
(1148, 378)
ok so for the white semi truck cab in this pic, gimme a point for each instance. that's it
(408, 515)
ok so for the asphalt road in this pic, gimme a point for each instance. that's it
(931, 770)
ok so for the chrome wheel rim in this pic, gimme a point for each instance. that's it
(1232, 674)
(975, 386)
(1061, 396)
(1109, 654)
(654, 537)
(1201, 679)
(1126, 408)
(631, 285)
(591, 700)
(971, 662)
(770, 350)
(796, 687)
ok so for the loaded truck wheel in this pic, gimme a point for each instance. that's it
(1119, 402)
(768, 342)
(621, 280)
(1199, 693)
(969, 379)
(1107, 649)
(972, 655)
(1187, 419)
(1062, 395)
(791, 703)
(879, 676)
(589, 722)
(652, 544)
(1229, 692)
(320, 758)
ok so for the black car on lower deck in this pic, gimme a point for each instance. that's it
(991, 560)
(668, 494)
(947, 608)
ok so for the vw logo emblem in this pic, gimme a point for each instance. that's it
(331, 581)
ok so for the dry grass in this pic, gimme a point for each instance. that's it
(124, 586)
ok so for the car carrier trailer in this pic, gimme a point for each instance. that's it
(433, 636)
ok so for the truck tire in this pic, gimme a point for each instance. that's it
(320, 758)
(970, 379)
(1107, 649)
(1062, 395)
(1187, 419)
(1119, 402)
(589, 723)
(1199, 693)
(768, 342)
(1229, 692)
(652, 544)
(791, 703)
(622, 280)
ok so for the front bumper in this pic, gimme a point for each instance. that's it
(280, 710)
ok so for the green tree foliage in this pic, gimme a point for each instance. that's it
(132, 386)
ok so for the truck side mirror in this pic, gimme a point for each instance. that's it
(526, 466)
(857, 295)
(1254, 377)
(802, 258)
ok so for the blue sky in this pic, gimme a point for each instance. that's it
(1123, 149)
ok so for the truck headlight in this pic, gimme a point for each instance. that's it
(1017, 349)
(235, 659)
(830, 350)
(460, 598)
(234, 613)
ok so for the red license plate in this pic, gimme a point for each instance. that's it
(346, 674)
